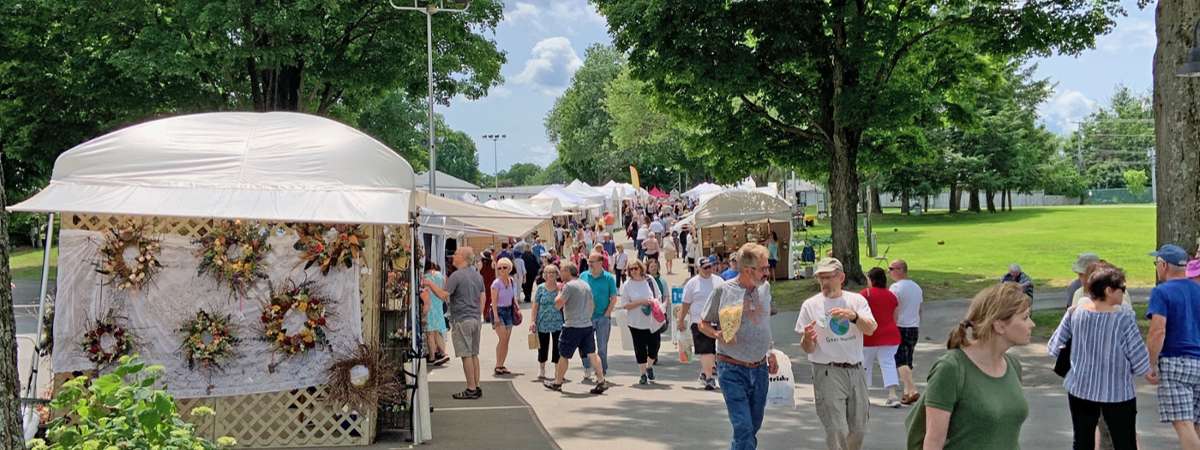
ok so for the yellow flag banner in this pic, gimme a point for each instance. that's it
(633, 177)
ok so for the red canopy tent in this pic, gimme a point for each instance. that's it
(658, 193)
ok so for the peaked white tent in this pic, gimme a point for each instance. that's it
(737, 206)
(620, 190)
(262, 166)
(474, 218)
(703, 189)
(568, 199)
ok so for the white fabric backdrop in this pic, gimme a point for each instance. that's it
(176, 293)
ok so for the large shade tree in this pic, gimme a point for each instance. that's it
(1177, 125)
(805, 81)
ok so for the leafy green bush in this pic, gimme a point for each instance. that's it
(1135, 180)
(120, 410)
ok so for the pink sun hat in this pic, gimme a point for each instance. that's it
(1193, 268)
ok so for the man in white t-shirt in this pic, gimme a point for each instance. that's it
(908, 319)
(833, 323)
(695, 293)
(643, 231)
(656, 227)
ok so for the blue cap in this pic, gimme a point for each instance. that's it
(711, 260)
(1172, 254)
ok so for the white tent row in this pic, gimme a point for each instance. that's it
(568, 200)
(540, 207)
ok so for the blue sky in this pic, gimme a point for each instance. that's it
(546, 39)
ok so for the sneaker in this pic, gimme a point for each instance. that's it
(642, 380)
(703, 380)
(478, 394)
(600, 388)
(441, 361)
(891, 403)
(587, 377)
(650, 373)
(710, 384)
(552, 386)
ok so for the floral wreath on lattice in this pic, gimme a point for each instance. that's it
(217, 348)
(241, 271)
(123, 274)
(398, 255)
(305, 299)
(362, 379)
(344, 249)
(93, 341)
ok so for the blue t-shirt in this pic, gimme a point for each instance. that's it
(604, 287)
(729, 274)
(1179, 301)
(610, 247)
(538, 249)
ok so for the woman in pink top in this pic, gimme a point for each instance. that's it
(504, 291)
(881, 346)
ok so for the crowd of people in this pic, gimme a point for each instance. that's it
(973, 398)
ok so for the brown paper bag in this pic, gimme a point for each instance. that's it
(534, 344)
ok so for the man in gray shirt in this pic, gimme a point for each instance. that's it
(464, 289)
(575, 300)
(742, 353)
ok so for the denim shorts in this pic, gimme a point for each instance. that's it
(506, 315)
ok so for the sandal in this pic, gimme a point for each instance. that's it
(909, 399)
(502, 371)
(466, 395)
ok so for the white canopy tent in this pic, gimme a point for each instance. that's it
(702, 189)
(474, 218)
(567, 199)
(621, 190)
(737, 206)
(278, 167)
(275, 166)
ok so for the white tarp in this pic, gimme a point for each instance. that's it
(621, 190)
(276, 166)
(153, 314)
(475, 218)
(738, 206)
(702, 189)
(567, 199)
(586, 191)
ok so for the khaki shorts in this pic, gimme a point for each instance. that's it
(465, 335)
(842, 404)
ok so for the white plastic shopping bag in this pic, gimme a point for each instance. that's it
(620, 320)
(781, 390)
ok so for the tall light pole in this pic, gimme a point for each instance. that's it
(495, 160)
(431, 7)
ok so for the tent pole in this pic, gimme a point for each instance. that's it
(31, 385)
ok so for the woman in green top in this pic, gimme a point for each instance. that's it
(974, 398)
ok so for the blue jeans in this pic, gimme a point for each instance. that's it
(745, 392)
(603, 327)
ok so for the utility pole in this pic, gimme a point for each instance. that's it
(431, 7)
(495, 160)
(1153, 176)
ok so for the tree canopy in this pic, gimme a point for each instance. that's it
(808, 84)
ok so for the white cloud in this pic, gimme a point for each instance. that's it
(554, 15)
(550, 67)
(1132, 34)
(523, 12)
(1065, 108)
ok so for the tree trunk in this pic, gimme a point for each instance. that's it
(991, 200)
(10, 400)
(1177, 126)
(925, 199)
(955, 201)
(973, 202)
(876, 204)
(904, 202)
(843, 205)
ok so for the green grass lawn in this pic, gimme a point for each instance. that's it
(26, 263)
(954, 256)
(1047, 320)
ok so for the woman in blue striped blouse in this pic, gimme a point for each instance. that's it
(1107, 351)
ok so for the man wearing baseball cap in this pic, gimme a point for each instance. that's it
(1174, 343)
(695, 293)
(1080, 269)
(833, 323)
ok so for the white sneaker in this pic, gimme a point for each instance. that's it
(891, 403)
(587, 376)
(542, 372)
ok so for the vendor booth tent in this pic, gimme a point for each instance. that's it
(731, 218)
(568, 200)
(658, 193)
(702, 189)
(183, 177)
(272, 166)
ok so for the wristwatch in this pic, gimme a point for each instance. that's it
(855, 319)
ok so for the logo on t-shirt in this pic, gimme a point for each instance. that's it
(839, 326)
